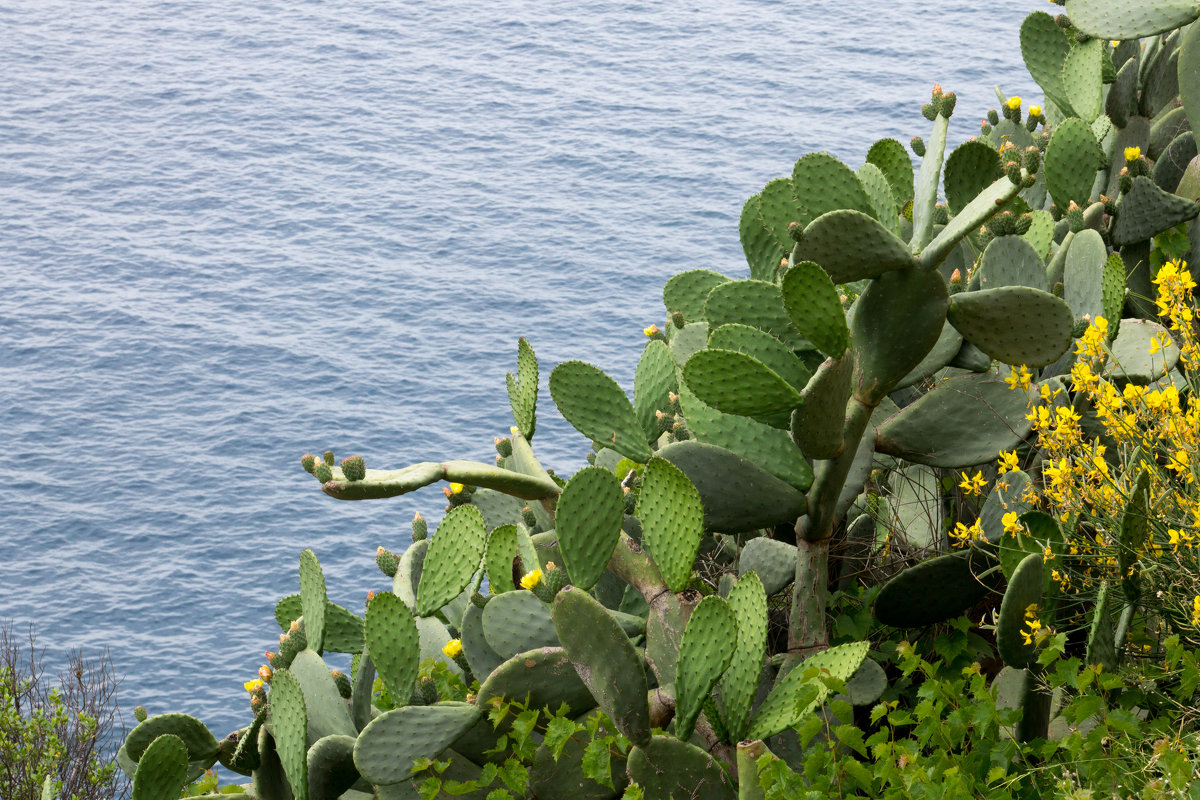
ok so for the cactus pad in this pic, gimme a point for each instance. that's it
(454, 556)
(668, 769)
(867, 684)
(777, 356)
(201, 744)
(331, 770)
(1044, 46)
(1014, 324)
(812, 302)
(653, 383)
(893, 160)
(394, 643)
(588, 522)
(1131, 357)
(821, 184)
(739, 384)
(876, 185)
(1083, 275)
(1146, 211)
(817, 427)
(343, 628)
(1024, 590)
(850, 246)
(1189, 77)
(961, 422)
(287, 721)
(687, 291)
(523, 389)
(773, 561)
(1135, 528)
(312, 599)
(759, 245)
(1101, 644)
(762, 444)
(1082, 79)
(737, 687)
(971, 168)
(709, 642)
(325, 709)
(540, 678)
(777, 208)
(906, 601)
(1012, 261)
(672, 516)
(162, 770)
(1129, 19)
(894, 324)
(514, 622)
(387, 748)
(605, 660)
(800, 691)
(755, 303)
(597, 407)
(736, 494)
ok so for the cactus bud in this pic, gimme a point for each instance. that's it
(328, 456)
(665, 421)
(941, 214)
(479, 600)
(425, 693)
(528, 517)
(629, 500)
(354, 468)
(1125, 182)
(323, 472)
(1075, 217)
(308, 461)
(652, 332)
(387, 561)
(1061, 20)
(370, 595)
(949, 99)
(1032, 160)
(139, 713)
(345, 689)
(271, 657)
(1022, 224)
(918, 146)
(1012, 171)
(266, 673)
(929, 112)
(1079, 328)
(984, 128)
(590, 458)
(677, 319)
(503, 446)
(993, 118)
(420, 528)
(796, 231)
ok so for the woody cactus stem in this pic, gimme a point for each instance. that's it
(807, 631)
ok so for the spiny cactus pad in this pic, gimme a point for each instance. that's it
(762, 250)
(777, 356)
(672, 516)
(1146, 211)
(331, 770)
(480, 655)
(540, 678)
(767, 446)
(393, 642)
(514, 622)
(1130, 19)
(1011, 261)
(1082, 79)
(867, 684)
(668, 769)
(1135, 527)
(801, 690)
(1101, 644)
(325, 710)
(850, 245)
(876, 185)
(588, 522)
(777, 208)
(894, 324)
(162, 770)
(454, 556)
(709, 641)
(523, 389)
(906, 601)
(817, 426)
(737, 687)
(948, 345)
(498, 561)
(1189, 77)
(605, 660)
(687, 291)
(737, 495)
(1044, 47)
(1014, 324)
(822, 183)
(312, 599)
(384, 483)
(971, 168)
(1024, 590)
(288, 722)
(597, 407)
(201, 744)
(387, 748)
(893, 160)
(739, 384)
(961, 422)
(755, 303)
(812, 302)
(653, 383)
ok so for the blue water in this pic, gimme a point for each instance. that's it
(235, 232)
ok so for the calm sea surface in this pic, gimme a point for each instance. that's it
(235, 232)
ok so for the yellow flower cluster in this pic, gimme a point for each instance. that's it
(962, 535)
(531, 580)
(1033, 623)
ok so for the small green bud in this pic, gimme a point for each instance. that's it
(590, 457)
(479, 600)
(948, 101)
(929, 112)
(993, 117)
(328, 456)
(354, 468)
(1013, 171)
(629, 500)
(1075, 217)
(796, 231)
(323, 472)
(425, 693)
(1022, 224)
(1110, 205)
(529, 518)
(1125, 182)
(941, 214)
(1032, 160)
(1080, 327)
(677, 319)
(345, 689)
(984, 128)
(504, 446)
(387, 561)
(308, 461)
(420, 528)
(1061, 20)
(665, 421)
(918, 146)
(139, 713)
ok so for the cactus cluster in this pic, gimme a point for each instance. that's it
(894, 329)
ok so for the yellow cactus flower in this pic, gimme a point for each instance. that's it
(456, 488)
(650, 330)
(1035, 111)
(1014, 102)
(452, 648)
(513, 429)
(1132, 154)
(531, 580)
(253, 686)
(266, 673)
